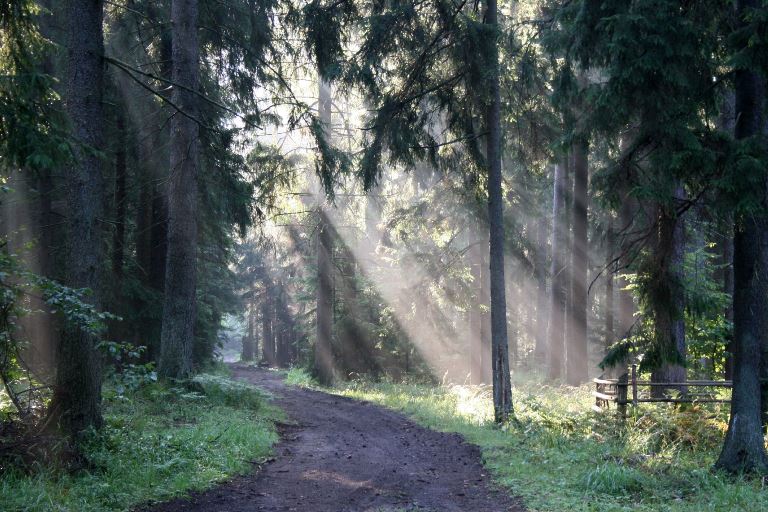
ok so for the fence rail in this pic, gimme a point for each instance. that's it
(628, 389)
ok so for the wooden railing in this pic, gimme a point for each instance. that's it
(627, 390)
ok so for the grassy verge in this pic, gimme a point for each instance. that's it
(561, 456)
(157, 443)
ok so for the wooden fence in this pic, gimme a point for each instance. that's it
(627, 390)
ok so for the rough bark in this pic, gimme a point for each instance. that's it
(179, 313)
(76, 403)
(556, 326)
(502, 391)
(744, 448)
(669, 299)
(577, 365)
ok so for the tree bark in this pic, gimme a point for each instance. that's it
(502, 389)
(744, 448)
(179, 306)
(577, 367)
(556, 327)
(669, 299)
(76, 403)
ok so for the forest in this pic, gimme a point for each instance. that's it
(383, 255)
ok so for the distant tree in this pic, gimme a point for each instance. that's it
(559, 293)
(577, 364)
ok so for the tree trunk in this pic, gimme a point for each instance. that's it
(556, 327)
(76, 403)
(323, 346)
(669, 299)
(577, 369)
(177, 336)
(744, 446)
(540, 350)
(502, 390)
(323, 342)
(268, 345)
(609, 295)
(248, 340)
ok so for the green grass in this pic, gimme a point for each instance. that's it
(299, 377)
(157, 443)
(563, 457)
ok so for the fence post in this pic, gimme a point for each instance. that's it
(621, 398)
(634, 385)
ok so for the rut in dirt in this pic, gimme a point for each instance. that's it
(340, 454)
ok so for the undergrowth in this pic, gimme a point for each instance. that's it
(158, 442)
(562, 456)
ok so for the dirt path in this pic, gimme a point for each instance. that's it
(347, 455)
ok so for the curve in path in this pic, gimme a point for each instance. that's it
(346, 455)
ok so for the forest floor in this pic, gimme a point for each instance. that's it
(340, 454)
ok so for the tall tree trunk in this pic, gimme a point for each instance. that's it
(76, 403)
(669, 299)
(179, 314)
(248, 340)
(609, 294)
(625, 310)
(268, 345)
(502, 389)
(556, 327)
(744, 446)
(323, 344)
(577, 369)
(540, 350)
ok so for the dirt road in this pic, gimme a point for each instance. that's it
(347, 455)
